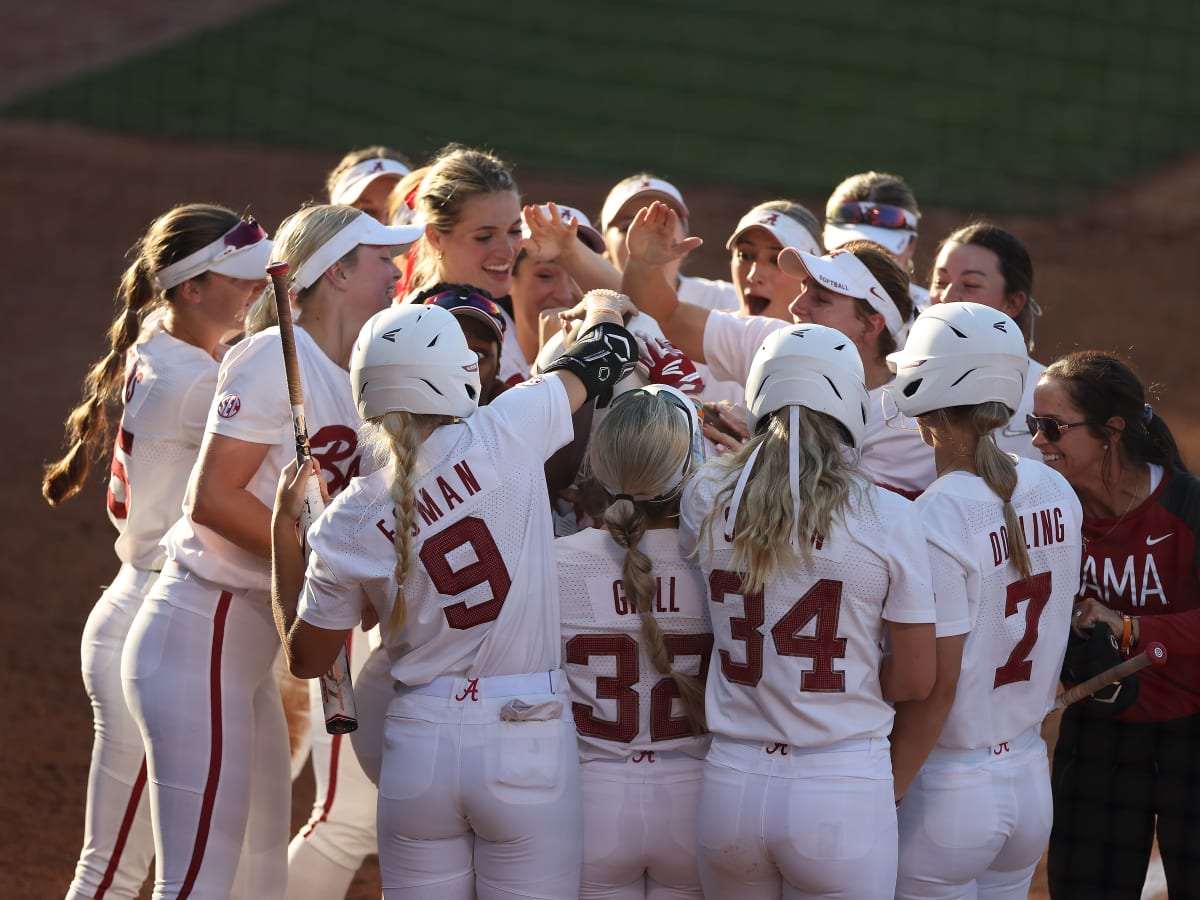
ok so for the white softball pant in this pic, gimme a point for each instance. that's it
(374, 688)
(118, 842)
(472, 806)
(639, 827)
(780, 822)
(327, 851)
(975, 823)
(198, 677)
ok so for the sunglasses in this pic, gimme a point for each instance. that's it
(246, 233)
(878, 214)
(1051, 429)
(452, 300)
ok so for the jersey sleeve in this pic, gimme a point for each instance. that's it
(328, 600)
(251, 403)
(535, 414)
(730, 342)
(911, 597)
(194, 407)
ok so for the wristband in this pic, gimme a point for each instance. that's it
(1126, 634)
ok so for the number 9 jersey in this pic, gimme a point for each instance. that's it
(482, 548)
(798, 662)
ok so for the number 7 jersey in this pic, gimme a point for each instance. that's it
(1018, 626)
(798, 661)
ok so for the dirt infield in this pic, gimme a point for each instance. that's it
(1118, 275)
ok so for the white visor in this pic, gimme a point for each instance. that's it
(894, 240)
(648, 190)
(235, 254)
(361, 230)
(781, 226)
(351, 183)
(845, 273)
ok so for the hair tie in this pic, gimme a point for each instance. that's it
(628, 497)
(1147, 413)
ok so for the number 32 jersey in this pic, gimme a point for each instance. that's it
(481, 594)
(622, 704)
(1018, 626)
(798, 662)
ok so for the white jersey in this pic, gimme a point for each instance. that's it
(252, 405)
(709, 294)
(1018, 627)
(798, 663)
(1015, 437)
(514, 368)
(169, 386)
(892, 456)
(622, 703)
(481, 595)
(899, 459)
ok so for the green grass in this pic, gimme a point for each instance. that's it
(1005, 105)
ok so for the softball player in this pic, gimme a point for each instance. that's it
(193, 274)
(197, 667)
(882, 209)
(472, 214)
(365, 178)
(1006, 533)
(808, 565)
(859, 290)
(451, 544)
(983, 263)
(636, 642)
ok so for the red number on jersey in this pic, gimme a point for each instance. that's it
(624, 650)
(488, 568)
(118, 482)
(823, 602)
(743, 628)
(1035, 589)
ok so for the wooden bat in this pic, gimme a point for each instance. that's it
(1155, 654)
(337, 691)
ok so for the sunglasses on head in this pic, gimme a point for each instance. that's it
(244, 234)
(452, 300)
(881, 215)
(1051, 429)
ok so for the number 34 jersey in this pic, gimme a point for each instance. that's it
(1018, 626)
(798, 661)
(622, 704)
(481, 594)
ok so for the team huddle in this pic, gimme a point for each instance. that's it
(651, 586)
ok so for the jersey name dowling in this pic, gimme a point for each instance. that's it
(1040, 528)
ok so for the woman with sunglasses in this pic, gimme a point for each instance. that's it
(191, 278)
(469, 204)
(969, 760)
(983, 263)
(882, 209)
(859, 290)
(197, 666)
(633, 604)
(1120, 781)
(810, 569)
(450, 543)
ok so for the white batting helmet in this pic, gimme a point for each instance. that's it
(959, 354)
(812, 366)
(414, 359)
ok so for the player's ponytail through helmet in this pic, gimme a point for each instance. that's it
(642, 451)
(170, 238)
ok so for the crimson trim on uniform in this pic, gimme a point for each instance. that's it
(214, 762)
(331, 790)
(135, 797)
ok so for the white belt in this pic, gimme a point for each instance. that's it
(457, 687)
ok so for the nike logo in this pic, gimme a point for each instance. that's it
(1150, 542)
